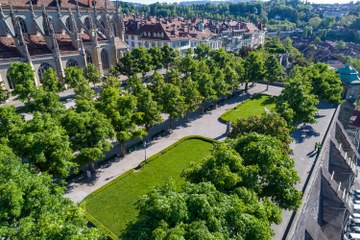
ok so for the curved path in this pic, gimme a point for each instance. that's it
(206, 125)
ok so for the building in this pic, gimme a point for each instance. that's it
(175, 33)
(59, 33)
(351, 82)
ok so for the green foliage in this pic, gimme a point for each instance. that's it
(254, 67)
(271, 172)
(4, 94)
(169, 56)
(157, 86)
(92, 74)
(156, 57)
(22, 75)
(273, 70)
(142, 61)
(202, 51)
(149, 108)
(45, 102)
(189, 90)
(297, 96)
(33, 207)
(267, 124)
(198, 212)
(10, 121)
(45, 145)
(134, 85)
(50, 82)
(89, 132)
(74, 76)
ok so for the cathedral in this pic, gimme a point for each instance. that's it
(58, 34)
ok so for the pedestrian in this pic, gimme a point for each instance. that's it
(319, 147)
(316, 146)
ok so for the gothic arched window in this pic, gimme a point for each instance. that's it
(105, 60)
(88, 57)
(72, 63)
(43, 67)
(68, 24)
(87, 23)
(22, 24)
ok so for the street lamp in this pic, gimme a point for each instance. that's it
(145, 149)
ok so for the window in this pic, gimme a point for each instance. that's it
(68, 24)
(72, 63)
(87, 23)
(105, 60)
(42, 69)
(88, 57)
(22, 24)
(145, 34)
(132, 37)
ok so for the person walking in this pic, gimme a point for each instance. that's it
(316, 146)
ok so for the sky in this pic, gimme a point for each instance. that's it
(172, 1)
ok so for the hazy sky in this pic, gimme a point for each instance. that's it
(314, 1)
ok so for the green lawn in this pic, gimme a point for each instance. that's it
(253, 106)
(114, 204)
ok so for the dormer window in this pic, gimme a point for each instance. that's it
(162, 35)
(145, 34)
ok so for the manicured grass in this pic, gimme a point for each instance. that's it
(114, 205)
(253, 106)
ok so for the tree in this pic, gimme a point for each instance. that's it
(45, 102)
(142, 62)
(169, 55)
(231, 78)
(157, 86)
(156, 57)
(10, 122)
(187, 66)
(297, 96)
(50, 81)
(271, 170)
(172, 102)
(4, 94)
(253, 68)
(273, 70)
(74, 76)
(199, 211)
(22, 75)
(90, 132)
(220, 85)
(92, 74)
(205, 83)
(45, 145)
(33, 207)
(149, 108)
(202, 51)
(126, 65)
(173, 76)
(192, 98)
(134, 85)
(121, 110)
(268, 124)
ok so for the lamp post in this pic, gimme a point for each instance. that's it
(145, 149)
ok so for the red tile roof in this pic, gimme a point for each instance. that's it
(36, 45)
(8, 48)
(65, 44)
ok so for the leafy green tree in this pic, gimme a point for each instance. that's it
(202, 51)
(4, 94)
(121, 110)
(134, 85)
(45, 145)
(231, 78)
(285, 111)
(83, 91)
(142, 61)
(149, 108)
(187, 66)
(92, 74)
(220, 85)
(298, 97)
(50, 81)
(199, 211)
(271, 170)
(10, 121)
(173, 76)
(45, 102)
(126, 65)
(33, 207)
(273, 70)
(205, 83)
(172, 102)
(89, 132)
(220, 57)
(156, 57)
(74, 76)
(157, 86)
(268, 124)
(191, 94)
(169, 56)
(22, 75)
(254, 68)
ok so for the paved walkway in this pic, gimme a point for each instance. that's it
(207, 125)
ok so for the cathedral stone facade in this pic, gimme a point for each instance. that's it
(59, 33)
